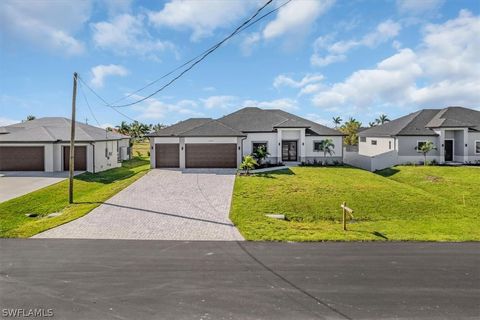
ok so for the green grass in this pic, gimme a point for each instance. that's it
(90, 190)
(141, 149)
(403, 203)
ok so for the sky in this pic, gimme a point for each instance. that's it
(314, 58)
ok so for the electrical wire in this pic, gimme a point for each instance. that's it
(88, 105)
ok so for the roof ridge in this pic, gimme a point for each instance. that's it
(416, 113)
(47, 131)
(201, 124)
(223, 124)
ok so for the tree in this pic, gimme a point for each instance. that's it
(139, 130)
(260, 154)
(372, 124)
(337, 121)
(327, 146)
(382, 119)
(158, 127)
(30, 118)
(350, 128)
(123, 128)
(425, 148)
(248, 164)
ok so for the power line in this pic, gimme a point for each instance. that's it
(215, 47)
(199, 55)
(88, 105)
(104, 101)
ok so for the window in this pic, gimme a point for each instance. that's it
(363, 139)
(256, 145)
(477, 147)
(390, 145)
(317, 145)
(420, 144)
(374, 142)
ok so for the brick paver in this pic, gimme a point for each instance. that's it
(190, 204)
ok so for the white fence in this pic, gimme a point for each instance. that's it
(371, 163)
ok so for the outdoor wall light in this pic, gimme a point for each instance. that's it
(303, 143)
(182, 148)
(279, 143)
(466, 145)
(238, 148)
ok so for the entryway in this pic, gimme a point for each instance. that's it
(448, 150)
(289, 150)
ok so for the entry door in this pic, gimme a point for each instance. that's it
(289, 150)
(448, 150)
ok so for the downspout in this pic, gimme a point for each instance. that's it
(241, 148)
(93, 146)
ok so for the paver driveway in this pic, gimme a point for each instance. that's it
(163, 205)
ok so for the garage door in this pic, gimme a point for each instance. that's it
(80, 158)
(211, 155)
(167, 155)
(22, 159)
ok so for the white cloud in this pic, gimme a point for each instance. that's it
(284, 104)
(127, 35)
(446, 66)
(326, 52)
(107, 125)
(295, 17)
(154, 109)
(100, 72)
(223, 102)
(7, 121)
(201, 17)
(249, 42)
(51, 25)
(414, 7)
(318, 119)
(115, 7)
(283, 80)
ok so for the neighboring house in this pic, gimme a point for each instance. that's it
(43, 145)
(455, 132)
(223, 142)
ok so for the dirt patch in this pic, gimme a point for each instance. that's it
(434, 179)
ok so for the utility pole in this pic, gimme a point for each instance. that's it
(72, 141)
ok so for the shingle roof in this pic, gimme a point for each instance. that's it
(421, 123)
(52, 129)
(213, 128)
(180, 127)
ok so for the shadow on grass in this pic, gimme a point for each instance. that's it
(115, 174)
(387, 172)
(273, 174)
(375, 233)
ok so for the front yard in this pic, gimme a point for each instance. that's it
(90, 190)
(402, 203)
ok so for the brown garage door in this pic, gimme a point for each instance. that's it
(22, 159)
(211, 155)
(167, 155)
(80, 158)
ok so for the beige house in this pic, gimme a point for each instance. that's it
(44, 145)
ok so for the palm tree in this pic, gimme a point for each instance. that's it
(425, 148)
(248, 164)
(123, 128)
(260, 154)
(327, 146)
(382, 119)
(29, 118)
(350, 128)
(337, 121)
(158, 127)
(372, 124)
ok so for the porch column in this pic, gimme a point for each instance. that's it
(182, 153)
(465, 145)
(279, 145)
(152, 152)
(441, 141)
(302, 145)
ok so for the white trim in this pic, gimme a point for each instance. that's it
(264, 141)
(475, 146)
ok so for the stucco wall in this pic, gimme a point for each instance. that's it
(102, 161)
(312, 155)
(384, 144)
(269, 137)
(472, 137)
(407, 144)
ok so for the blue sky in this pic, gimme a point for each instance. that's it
(314, 58)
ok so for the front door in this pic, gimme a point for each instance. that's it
(289, 150)
(448, 150)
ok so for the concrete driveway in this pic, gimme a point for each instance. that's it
(163, 205)
(17, 183)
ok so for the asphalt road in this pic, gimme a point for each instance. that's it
(121, 279)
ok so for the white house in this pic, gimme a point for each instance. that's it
(223, 142)
(43, 145)
(455, 132)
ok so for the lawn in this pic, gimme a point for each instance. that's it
(403, 203)
(90, 190)
(141, 149)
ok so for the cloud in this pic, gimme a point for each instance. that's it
(284, 104)
(100, 72)
(416, 7)
(336, 51)
(201, 17)
(7, 121)
(126, 34)
(223, 102)
(154, 109)
(318, 119)
(115, 7)
(283, 80)
(249, 41)
(444, 70)
(50, 25)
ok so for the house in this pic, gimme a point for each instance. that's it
(43, 145)
(223, 142)
(455, 132)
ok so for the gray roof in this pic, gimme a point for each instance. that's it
(243, 121)
(53, 129)
(422, 123)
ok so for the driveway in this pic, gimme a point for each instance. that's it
(121, 279)
(17, 183)
(163, 205)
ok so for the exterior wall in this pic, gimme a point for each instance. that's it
(269, 137)
(124, 149)
(472, 137)
(407, 145)
(58, 155)
(48, 152)
(103, 162)
(384, 144)
(311, 155)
